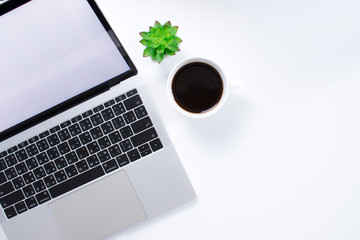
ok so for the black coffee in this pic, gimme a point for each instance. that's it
(197, 87)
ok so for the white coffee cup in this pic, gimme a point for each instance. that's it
(217, 106)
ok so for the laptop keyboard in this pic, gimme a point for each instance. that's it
(75, 152)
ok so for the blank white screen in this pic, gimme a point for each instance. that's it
(50, 51)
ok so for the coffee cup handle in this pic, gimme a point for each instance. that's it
(235, 85)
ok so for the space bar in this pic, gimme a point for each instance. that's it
(77, 181)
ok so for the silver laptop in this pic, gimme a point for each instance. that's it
(83, 153)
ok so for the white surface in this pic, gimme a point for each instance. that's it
(281, 160)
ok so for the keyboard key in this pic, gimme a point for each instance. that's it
(104, 142)
(71, 171)
(11, 160)
(53, 140)
(2, 165)
(103, 156)
(3, 154)
(92, 161)
(42, 158)
(125, 145)
(109, 103)
(118, 122)
(54, 129)
(82, 166)
(129, 117)
(96, 133)
(20, 207)
(110, 166)
(141, 125)
(42, 197)
(126, 132)
(21, 168)
(49, 167)
(53, 153)
(39, 172)
(31, 202)
(33, 139)
(85, 138)
(119, 109)
(60, 163)
(144, 147)
(32, 150)
(18, 182)
(44, 134)
(74, 143)
(64, 135)
(76, 119)
(63, 148)
(49, 181)
(115, 137)
(39, 186)
(107, 128)
(133, 155)
(120, 98)
(87, 114)
(31, 163)
(76, 181)
(145, 152)
(82, 152)
(42, 145)
(12, 149)
(131, 93)
(96, 119)
(98, 108)
(144, 137)
(65, 124)
(23, 144)
(140, 112)
(6, 188)
(75, 130)
(85, 124)
(10, 212)
(93, 147)
(12, 198)
(114, 151)
(107, 114)
(132, 102)
(21, 155)
(28, 191)
(71, 158)
(10, 173)
(122, 160)
(60, 176)
(2, 178)
(29, 177)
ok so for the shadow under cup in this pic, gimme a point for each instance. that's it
(197, 87)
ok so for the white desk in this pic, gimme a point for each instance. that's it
(281, 160)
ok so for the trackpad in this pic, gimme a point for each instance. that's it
(99, 209)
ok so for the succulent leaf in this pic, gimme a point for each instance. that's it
(144, 42)
(167, 24)
(173, 47)
(148, 51)
(157, 24)
(160, 40)
(145, 35)
(169, 52)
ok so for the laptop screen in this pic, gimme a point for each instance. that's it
(52, 51)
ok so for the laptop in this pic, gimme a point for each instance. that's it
(83, 152)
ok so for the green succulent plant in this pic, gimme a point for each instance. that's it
(160, 40)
